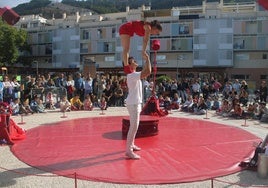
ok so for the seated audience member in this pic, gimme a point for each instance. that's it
(262, 110)
(201, 107)
(264, 116)
(237, 111)
(25, 107)
(65, 105)
(50, 101)
(76, 103)
(216, 104)
(176, 101)
(118, 96)
(225, 108)
(103, 104)
(233, 94)
(243, 97)
(161, 101)
(37, 105)
(87, 103)
(94, 100)
(167, 103)
(251, 110)
(209, 103)
(15, 106)
(194, 106)
(187, 104)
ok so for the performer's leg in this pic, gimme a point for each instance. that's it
(125, 42)
(134, 114)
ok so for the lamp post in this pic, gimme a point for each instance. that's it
(179, 58)
(36, 62)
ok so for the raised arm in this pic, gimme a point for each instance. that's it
(146, 38)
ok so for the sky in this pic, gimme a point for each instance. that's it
(12, 3)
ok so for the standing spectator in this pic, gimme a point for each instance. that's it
(236, 85)
(108, 94)
(185, 89)
(16, 88)
(8, 89)
(60, 81)
(70, 87)
(244, 85)
(263, 91)
(88, 84)
(1, 91)
(79, 85)
(196, 88)
(216, 87)
(118, 96)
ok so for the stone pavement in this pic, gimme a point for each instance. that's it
(16, 174)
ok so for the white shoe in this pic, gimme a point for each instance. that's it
(132, 155)
(136, 148)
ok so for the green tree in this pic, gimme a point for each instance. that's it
(11, 40)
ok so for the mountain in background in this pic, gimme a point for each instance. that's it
(49, 8)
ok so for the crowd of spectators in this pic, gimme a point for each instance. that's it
(82, 92)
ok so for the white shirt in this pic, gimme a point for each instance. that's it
(134, 88)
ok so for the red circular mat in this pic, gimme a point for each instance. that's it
(184, 150)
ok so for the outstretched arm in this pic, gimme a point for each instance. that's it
(147, 69)
(146, 38)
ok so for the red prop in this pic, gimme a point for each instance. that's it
(156, 45)
(263, 3)
(9, 15)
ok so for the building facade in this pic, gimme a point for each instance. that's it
(215, 39)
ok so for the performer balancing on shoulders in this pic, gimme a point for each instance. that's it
(134, 102)
(140, 28)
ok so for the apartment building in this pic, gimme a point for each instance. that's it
(215, 39)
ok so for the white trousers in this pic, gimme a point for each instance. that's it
(134, 119)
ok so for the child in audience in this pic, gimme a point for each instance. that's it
(103, 104)
(76, 103)
(50, 101)
(25, 107)
(88, 105)
(37, 105)
(65, 105)
(15, 106)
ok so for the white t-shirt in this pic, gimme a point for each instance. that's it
(134, 88)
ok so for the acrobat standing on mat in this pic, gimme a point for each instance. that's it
(134, 101)
(140, 28)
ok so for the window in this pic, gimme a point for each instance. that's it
(85, 35)
(99, 33)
